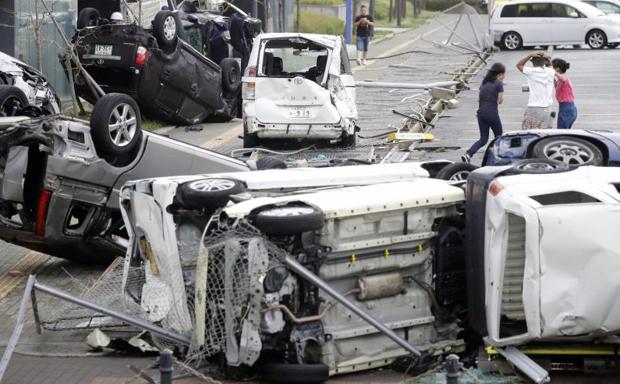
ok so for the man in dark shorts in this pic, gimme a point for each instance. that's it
(363, 24)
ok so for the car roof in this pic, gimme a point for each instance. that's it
(326, 40)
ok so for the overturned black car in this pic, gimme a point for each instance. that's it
(183, 70)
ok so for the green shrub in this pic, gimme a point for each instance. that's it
(314, 22)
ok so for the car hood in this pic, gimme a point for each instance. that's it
(10, 64)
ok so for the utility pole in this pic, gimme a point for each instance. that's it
(371, 8)
(348, 22)
(399, 8)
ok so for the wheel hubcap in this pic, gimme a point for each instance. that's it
(537, 167)
(170, 28)
(511, 42)
(288, 211)
(568, 153)
(596, 40)
(123, 125)
(460, 176)
(212, 185)
(10, 106)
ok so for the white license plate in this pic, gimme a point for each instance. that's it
(103, 50)
(299, 112)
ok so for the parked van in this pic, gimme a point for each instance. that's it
(523, 23)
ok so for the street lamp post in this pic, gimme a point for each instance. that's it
(349, 22)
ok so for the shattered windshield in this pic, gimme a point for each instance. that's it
(293, 57)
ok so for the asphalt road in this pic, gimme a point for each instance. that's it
(595, 78)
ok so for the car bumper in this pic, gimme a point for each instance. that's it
(299, 131)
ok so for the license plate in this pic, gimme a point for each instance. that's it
(103, 50)
(299, 112)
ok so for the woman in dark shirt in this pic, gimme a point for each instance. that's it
(491, 95)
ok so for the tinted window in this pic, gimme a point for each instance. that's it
(561, 10)
(509, 11)
(540, 10)
(527, 10)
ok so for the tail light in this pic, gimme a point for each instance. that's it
(495, 188)
(249, 87)
(44, 200)
(142, 54)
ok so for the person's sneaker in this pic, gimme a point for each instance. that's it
(364, 62)
(359, 62)
(466, 158)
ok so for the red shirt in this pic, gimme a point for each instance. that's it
(564, 91)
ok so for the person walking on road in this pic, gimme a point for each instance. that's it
(490, 96)
(567, 113)
(540, 79)
(363, 24)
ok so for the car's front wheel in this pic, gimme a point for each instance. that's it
(571, 151)
(166, 27)
(12, 100)
(115, 127)
(512, 41)
(231, 76)
(88, 17)
(456, 171)
(209, 194)
(538, 166)
(596, 39)
(289, 220)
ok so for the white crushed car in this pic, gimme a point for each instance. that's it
(299, 86)
(21, 86)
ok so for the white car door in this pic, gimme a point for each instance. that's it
(568, 24)
(341, 83)
(533, 23)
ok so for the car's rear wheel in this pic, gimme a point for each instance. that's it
(115, 126)
(269, 162)
(166, 28)
(289, 220)
(88, 17)
(596, 39)
(613, 45)
(12, 100)
(512, 41)
(250, 140)
(349, 141)
(231, 75)
(571, 151)
(539, 166)
(209, 194)
(456, 171)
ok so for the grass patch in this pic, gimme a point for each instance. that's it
(314, 22)
(407, 22)
(151, 125)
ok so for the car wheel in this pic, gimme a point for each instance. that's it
(115, 126)
(295, 373)
(456, 171)
(568, 150)
(88, 17)
(289, 220)
(596, 39)
(269, 162)
(538, 166)
(250, 140)
(231, 75)
(349, 141)
(209, 194)
(166, 30)
(512, 41)
(12, 100)
(613, 45)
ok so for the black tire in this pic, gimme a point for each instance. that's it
(250, 140)
(571, 151)
(166, 28)
(88, 17)
(12, 100)
(612, 45)
(538, 166)
(269, 162)
(349, 141)
(596, 39)
(456, 171)
(289, 220)
(209, 193)
(512, 41)
(120, 110)
(295, 373)
(231, 76)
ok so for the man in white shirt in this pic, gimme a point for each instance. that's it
(540, 79)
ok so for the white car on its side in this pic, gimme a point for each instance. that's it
(299, 86)
(522, 23)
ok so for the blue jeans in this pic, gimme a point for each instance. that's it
(486, 120)
(362, 43)
(567, 115)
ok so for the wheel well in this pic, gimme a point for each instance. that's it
(515, 32)
(599, 144)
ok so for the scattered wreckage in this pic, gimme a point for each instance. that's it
(22, 86)
(170, 69)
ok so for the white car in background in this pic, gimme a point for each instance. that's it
(524, 23)
(299, 86)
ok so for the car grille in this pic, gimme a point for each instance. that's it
(512, 290)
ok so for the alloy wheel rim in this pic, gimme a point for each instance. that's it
(460, 176)
(212, 185)
(537, 167)
(596, 40)
(511, 41)
(170, 28)
(568, 153)
(123, 125)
